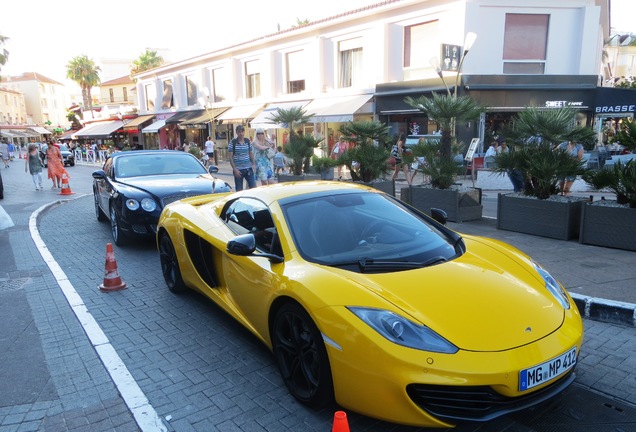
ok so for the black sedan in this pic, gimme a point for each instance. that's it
(132, 188)
(67, 155)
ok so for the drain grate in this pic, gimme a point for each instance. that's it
(13, 284)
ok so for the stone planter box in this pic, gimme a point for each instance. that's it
(460, 206)
(559, 220)
(603, 225)
(386, 186)
(303, 177)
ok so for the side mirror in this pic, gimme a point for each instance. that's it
(439, 215)
(213, 169)
(245, 245)
(99, 174)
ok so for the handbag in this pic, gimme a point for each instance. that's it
(270, 153)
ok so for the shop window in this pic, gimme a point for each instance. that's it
(252, 79)
(150, 97)
(525, 43)
(192, 91)
(295, 71)
(167, 100)
(350, 63)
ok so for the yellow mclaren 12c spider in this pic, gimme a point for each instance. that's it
(372, 304)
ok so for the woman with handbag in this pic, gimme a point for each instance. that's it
(263, 156)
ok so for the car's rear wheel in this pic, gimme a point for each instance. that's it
(170, 265)
(301, 356)
(118, 237)
(101, 216)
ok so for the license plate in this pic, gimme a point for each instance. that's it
(537, 375)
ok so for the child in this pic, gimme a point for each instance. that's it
(33, 165)
(279, 161)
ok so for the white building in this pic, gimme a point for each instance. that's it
(361, 64)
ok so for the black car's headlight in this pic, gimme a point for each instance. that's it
(553, 286)
(148, 204)
(403, 332)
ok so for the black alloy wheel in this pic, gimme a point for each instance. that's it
(118, 237)
(101, 217)
(301, 356)
(170, 265)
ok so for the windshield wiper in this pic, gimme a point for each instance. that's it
(370, 264)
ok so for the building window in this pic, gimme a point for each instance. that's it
(525, 43)
(350, 63)
(167, 99)
(150, 97)
(295, 71)
(125, 91)
(217, 85)
(191, 90)
(111, 93)
(421, 43)
(252, 79)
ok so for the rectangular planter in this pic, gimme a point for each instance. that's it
(608, 226)
(460, 206)
(546, 218)
(386, 186)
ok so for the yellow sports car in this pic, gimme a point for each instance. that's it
(368, 302)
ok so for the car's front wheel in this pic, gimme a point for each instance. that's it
(170, 264)
(118, 237)
(301, 356)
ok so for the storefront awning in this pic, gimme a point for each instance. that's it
(68, 135)
(337, 109)
(7, 134)
(239, 114)
(138, 121)
(40, 130)
(154, 128)
(262, 120)
(181, 116)
(99, 130)
(203, 116)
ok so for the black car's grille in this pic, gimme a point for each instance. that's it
(172, 198)
(478, 403)
(144, 229)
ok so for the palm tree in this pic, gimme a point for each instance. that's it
(367, 160)
(84, 72)
(298, 148)
(4, 54)
(146, 61)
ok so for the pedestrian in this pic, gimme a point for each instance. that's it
(209, 151)
(55, 165)
(576, 151)
(337, 151)
(11, 150)
(397, 152)
(4, 149)
(241, 156)
(279, 161)
(263, 156)
(33, 165)
(186, 147)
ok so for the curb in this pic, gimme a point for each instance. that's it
(607, 311)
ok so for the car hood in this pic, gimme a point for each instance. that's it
(164, 185)
(489, 299)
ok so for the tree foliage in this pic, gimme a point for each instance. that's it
(4, 54)
(85, 73)
(146, 61)
(367, 158)
(299, 148)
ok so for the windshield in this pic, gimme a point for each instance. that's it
(157, 164)
(358, 230)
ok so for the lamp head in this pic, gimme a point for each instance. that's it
(469, 41)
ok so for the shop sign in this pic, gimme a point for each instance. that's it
(563, 104)
(615, 109)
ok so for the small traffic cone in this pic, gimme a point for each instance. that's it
(112, 281)
(340, 423)
(66, 188)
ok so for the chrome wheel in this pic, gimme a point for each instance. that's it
(118, 237)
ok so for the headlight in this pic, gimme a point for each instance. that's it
(148, 204)
(132, 204)
(403, 332)
(553, 286)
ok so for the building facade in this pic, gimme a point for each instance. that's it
(361, 64)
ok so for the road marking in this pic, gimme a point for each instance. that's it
(145, 415)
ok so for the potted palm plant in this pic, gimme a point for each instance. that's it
(460, 203)
(367, 155)
(539, 210)
(610, 223)
(324, 165)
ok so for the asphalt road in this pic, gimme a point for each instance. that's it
(198, 369)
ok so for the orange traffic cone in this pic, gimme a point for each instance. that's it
(340, 423)
(66, 188)
(112, 281)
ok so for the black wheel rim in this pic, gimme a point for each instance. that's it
(169, 264)
(297, 355)
(113, 224)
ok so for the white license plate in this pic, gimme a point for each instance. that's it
(537, 375)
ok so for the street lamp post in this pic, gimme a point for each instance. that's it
(469, 40)
(205, 102)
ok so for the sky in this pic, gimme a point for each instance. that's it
(46, 34)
